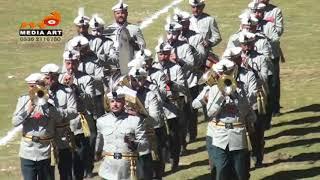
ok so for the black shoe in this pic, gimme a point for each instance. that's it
(258, 164)
(276, 114)
(183, 151)
(90, 175)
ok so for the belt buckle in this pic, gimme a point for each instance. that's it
(228, 125)
(35, 138)
(117, 156)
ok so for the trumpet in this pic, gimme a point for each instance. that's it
(39, 95)
(226, 83)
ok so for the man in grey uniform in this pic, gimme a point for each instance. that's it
(274, 15)
(175, 85)
(82, 26)
(228, 111)
(120, 12)
(204, 24)
(83, 124)
(257, 63)
(63, 99)
(154, 120)
(38, 119)
(120, 139)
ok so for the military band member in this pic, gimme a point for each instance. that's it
(121, 137)
(190, 36)
(106, 54)
(63, 99)
(274, 15)
(228, 109)
(251, 60)
(82, 26)
(83, 125)
(38, 119)
(249, 24)
(175, 85)
(120, 12)
(154, 121)
(204, 24)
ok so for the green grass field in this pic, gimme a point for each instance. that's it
(293, 143)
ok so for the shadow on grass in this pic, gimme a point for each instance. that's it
(196, 150)
(310, 108)
(295, 174)
(313, 157)
(203, 177)
(192, 165)
(313, 119)
(294, 132)
(302, 142)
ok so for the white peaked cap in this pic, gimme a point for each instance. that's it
(256, 5)
(196, 2)
(120, 6)
(224, 65)
(71, 55)
(117, 94)
(248, 18)
(137, 63)
(245, 37)
(50, 68)
(172, 26)
(143, 54)
(96, 22)
(232, 52)
(137, 72)
(78, 41)
(81, 19)
(34, 78)
(180, 16)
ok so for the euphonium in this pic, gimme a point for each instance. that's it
(209, 78)
(227, 83)
(39, 95)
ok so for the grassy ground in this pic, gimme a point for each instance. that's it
(293, 143)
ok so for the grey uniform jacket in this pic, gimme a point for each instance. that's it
(174, 74)
(273, 14)
(236, 110)
(259, 65)
(196, 41)
(84, 98)
(95, 43)
(63, 98)
(111, 132)
(150, 102)
(262, 45)
(207, 26)
(88, 64)
(134, 30)
(267, 28)
(107, 54)
(186, 60)
(247, 81)
(43, 127)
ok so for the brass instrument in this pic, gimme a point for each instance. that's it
(39, 95)
(227, 84)
(262, 100)
(209, 78)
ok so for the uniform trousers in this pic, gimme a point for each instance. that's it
(92, 144)
(257, 138)
(230, 165)
(276, 84)
(192, 115)
(159, 166)
(65, 164)
(80, 156)
(35, 170)
(174, 141)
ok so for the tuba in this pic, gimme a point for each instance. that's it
(227, 84)
(209, 78)
(39, 95)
